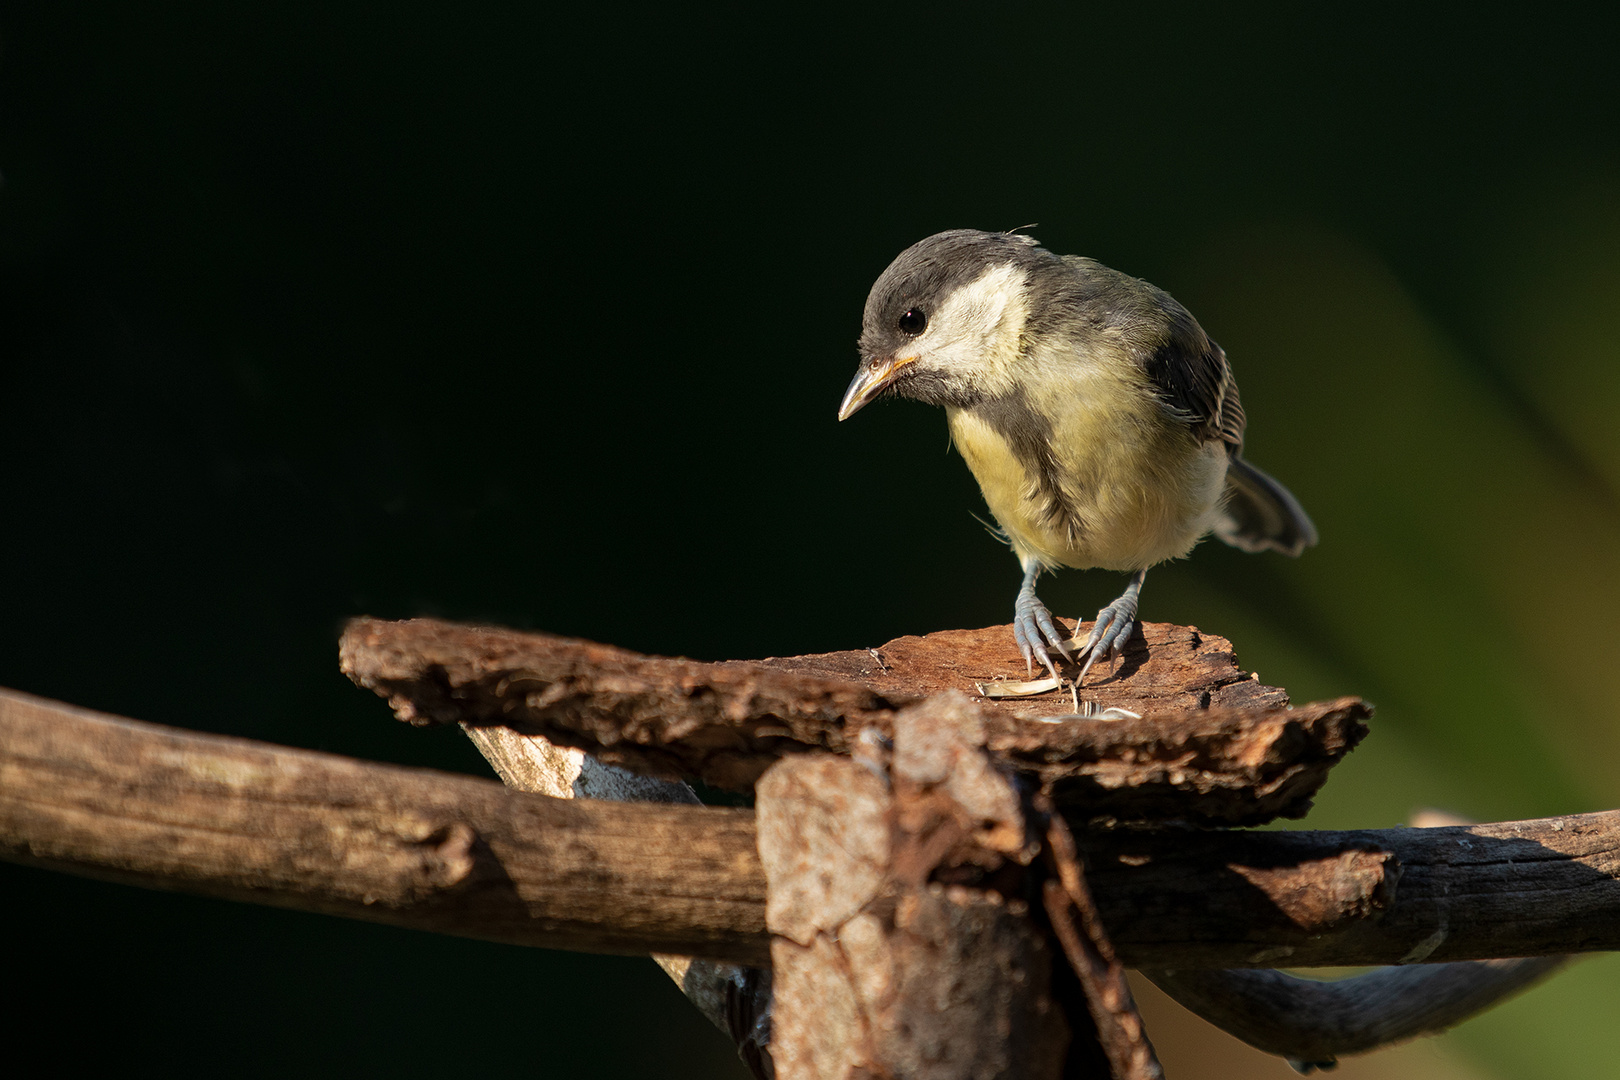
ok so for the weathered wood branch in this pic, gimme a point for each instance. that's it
(1314, 1023)
(1213, 745)
(159, 807)
(153, 806)
(1386, 896)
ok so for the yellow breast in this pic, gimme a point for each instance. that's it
(1135, 490)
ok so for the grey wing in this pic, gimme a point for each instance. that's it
(1194, 380)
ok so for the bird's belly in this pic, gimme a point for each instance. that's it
(1128, 505)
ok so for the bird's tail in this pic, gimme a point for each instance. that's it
(1260, 514)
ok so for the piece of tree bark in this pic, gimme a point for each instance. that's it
(725, 723)
(1167, 669)
(881, 968)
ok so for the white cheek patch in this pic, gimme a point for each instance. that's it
(978, 327)
(978, 305)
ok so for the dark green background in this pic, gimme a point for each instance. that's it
(313, 310)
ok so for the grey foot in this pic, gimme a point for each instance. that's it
(1037, 634)
(1114, 626)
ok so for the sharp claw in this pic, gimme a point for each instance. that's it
(1054, 640)
(1046, 661)
(1112, 642)
(1062, 646)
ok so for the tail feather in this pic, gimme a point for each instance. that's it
(1260, 514)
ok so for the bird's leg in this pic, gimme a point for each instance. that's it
(1113, 626)
(1037, 634)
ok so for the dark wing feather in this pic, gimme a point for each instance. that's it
(1193, 378)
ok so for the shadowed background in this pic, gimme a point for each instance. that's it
(313, 310)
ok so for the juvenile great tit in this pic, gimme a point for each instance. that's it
(1102, 424)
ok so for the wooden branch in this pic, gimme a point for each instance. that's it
(1314, 1023)
(1388, 896)
(1244, 759)
(113, 798)
(147, 805)
(1311, 1023)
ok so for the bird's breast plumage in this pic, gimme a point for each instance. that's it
(1117, 488)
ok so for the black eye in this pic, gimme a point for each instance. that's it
(913, 322)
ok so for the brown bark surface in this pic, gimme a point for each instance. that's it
(1167, 668)
(1245, 759)
(897, 950)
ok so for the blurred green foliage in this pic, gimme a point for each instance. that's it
(541, 317)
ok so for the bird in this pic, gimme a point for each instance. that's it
(1102, 423)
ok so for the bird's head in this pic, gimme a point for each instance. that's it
(944, 322)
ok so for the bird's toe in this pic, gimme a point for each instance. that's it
(1021, 634)
(1037, 635)
(1110, 632)
(1114, 626)
(1055, 637)
(1112, 642)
